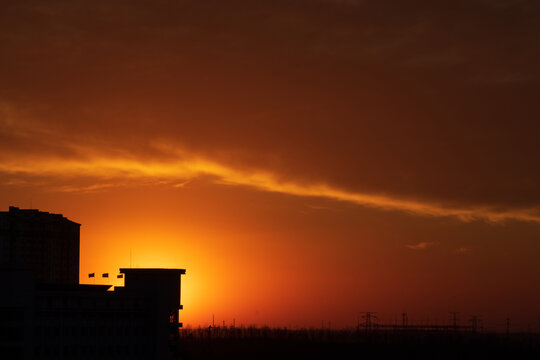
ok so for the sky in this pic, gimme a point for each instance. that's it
(304, 161)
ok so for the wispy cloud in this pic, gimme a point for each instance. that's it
(185, 166)
(463, 250)
(93, 188)
(422, 245)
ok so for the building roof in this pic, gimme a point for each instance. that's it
(151, 270)
(35, 214)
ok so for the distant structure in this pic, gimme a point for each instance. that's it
(44, 314)
(45, 243)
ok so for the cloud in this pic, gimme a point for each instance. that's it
(382, 104)
(422, 245)
(185, 166)
(93, 188)
(463, 250)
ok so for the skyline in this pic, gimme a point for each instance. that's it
(305, 161)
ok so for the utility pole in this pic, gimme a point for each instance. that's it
(454, 319)
(404, 320)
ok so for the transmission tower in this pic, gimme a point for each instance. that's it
(369, 317)
(475, 322)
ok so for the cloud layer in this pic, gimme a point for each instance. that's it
(418, 107)
(108, 172)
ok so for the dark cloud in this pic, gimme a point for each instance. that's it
(422, 99)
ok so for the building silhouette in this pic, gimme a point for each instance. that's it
(46, 315)
(47, 244)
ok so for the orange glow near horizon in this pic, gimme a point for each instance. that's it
(272, 258)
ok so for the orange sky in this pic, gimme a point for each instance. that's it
(304, 161)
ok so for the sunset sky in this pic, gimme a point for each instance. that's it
(304, 161)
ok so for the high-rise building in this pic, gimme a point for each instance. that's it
(44, 243)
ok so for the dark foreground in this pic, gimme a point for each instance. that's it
(348, 344)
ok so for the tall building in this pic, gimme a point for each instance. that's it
(44, 243)
(46, 314)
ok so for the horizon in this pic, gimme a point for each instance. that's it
(304, 161)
